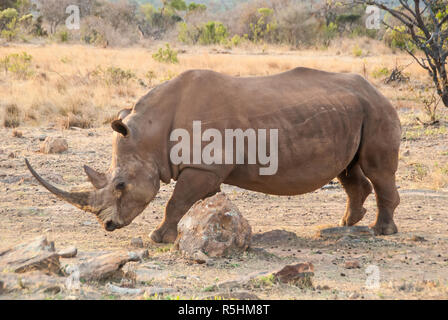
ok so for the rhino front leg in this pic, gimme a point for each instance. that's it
(193, 185)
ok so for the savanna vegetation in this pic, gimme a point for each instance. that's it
(122, 49)
(57, 81)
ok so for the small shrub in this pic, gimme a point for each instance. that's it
(264, 281)
(329, 32)
(11, 116)
(380, 72)
(357, 51)
(235, 41)
(8, 23)
(151, 76)
(63, 36)
(114, 75)
(166, 55)
(213, 33)
(419, 171)
(265, 27)
(397, 38)
(18, 64)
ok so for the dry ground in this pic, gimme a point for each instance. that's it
(408, 268)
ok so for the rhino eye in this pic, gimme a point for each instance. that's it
(120, 186)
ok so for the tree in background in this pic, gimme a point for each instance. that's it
(424, 25)
(54, 13)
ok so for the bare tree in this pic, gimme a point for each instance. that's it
(426, 23)
(53, 12)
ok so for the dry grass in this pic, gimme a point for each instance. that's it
(70, 86)
(63, 88)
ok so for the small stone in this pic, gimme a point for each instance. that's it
(68, 252)
(54, 145)
(17, 133)
(352, 264)
(52, 290)
(417, 239)
(12, 155)
(42, 137)
(139, 255)
(123, 291)
(407, 153)
(137, 242)
(354, 296)
(324, 287)
(299, 273)
(200, 257)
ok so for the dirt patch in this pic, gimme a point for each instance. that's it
(407, 266)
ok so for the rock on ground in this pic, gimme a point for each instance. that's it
(103, 267)
(352, 264)
(213, 226)
(69, 252)
(33, 282)
(123, 291)
(36, 255)
(299, 274)
(54, 145)
(137, 242)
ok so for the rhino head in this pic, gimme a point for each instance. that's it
(121, 194)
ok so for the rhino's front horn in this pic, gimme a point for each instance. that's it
(82, 200)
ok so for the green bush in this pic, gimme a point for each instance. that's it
(213, 33)
(265, 27)
(114, 75)
(188, 34)
(166, 55)
(329, 33)
(63, 36)
(18, 64)
(357, 51)
(398, 38)
(380, 72)
(8, 23)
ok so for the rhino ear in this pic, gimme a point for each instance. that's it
(120, 127)
(99, 180)
(124, 113)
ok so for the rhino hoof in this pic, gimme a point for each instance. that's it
(168, 236)
(352, 219)
(384, 229)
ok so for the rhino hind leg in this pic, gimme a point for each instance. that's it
(387, 199)
(193, 185)
(358, 189)
(379, 162)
